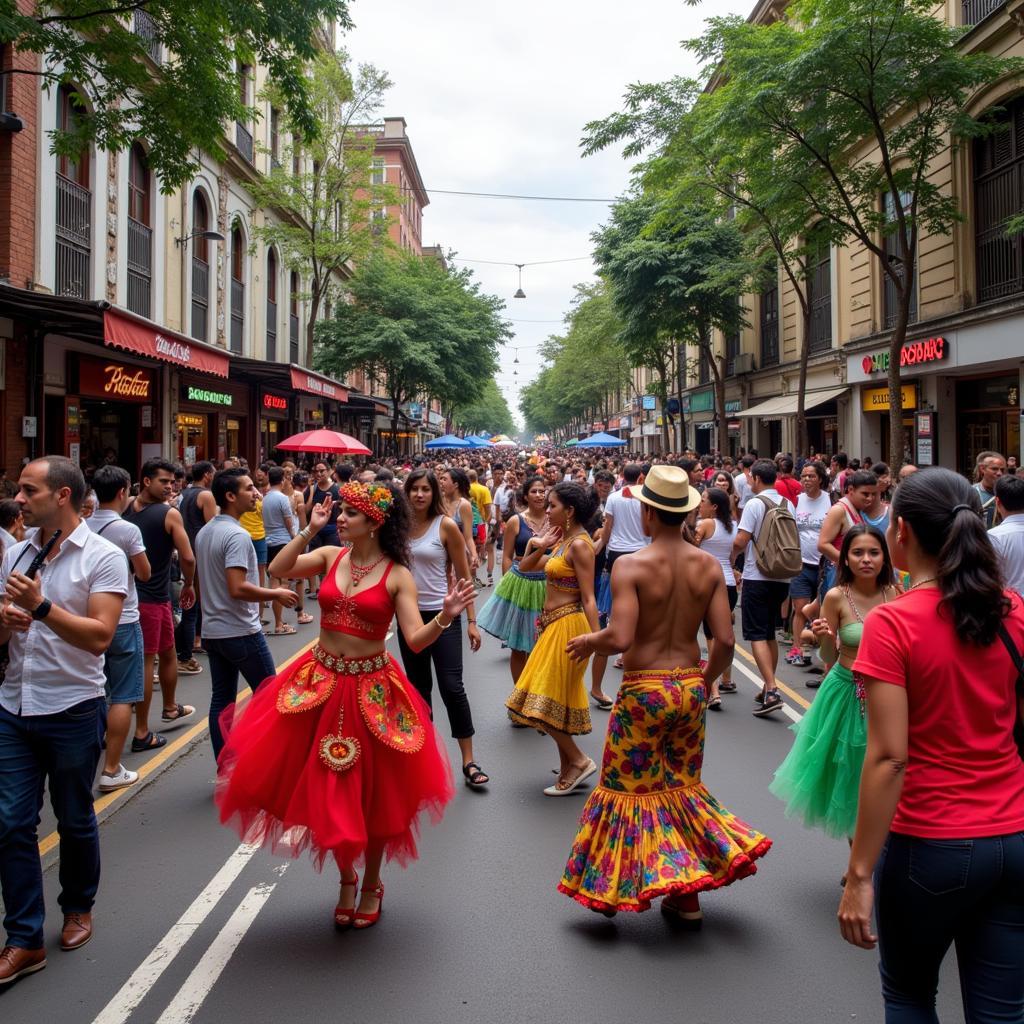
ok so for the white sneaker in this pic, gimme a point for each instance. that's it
(122, 778)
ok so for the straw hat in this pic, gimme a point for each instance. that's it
(668, 488)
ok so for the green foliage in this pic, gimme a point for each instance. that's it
(488, 412)
(181, 105)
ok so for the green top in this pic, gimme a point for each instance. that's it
(850, 634)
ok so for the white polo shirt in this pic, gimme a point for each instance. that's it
(46, 674)
(1008, 540)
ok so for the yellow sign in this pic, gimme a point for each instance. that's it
(188, 419)
(877, 399)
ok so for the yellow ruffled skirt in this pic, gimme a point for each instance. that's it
(550, 691)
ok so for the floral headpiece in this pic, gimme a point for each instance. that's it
(373, 500)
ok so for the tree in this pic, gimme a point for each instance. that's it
(180, 104)
(857, 99)
(416, 327)
(488, 412)
(325, 204)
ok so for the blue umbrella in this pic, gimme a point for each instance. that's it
(447, 441)
(476, 441)
(602, 440)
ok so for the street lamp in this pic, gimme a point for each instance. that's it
(520, 294)
(210, 236)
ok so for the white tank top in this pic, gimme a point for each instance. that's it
(719, 544)
(430, 566)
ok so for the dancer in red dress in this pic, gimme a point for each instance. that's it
(338, 751)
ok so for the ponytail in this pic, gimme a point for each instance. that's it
(945, 514)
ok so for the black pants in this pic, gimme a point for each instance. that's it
(446, 654)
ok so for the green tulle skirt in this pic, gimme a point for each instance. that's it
(820, 778)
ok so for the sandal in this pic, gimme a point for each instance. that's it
(725, 687)
(475, 777)
(563, 787)
(362, 919)
(714, 704)
(304, 619)
(602, 702)
(149, 742)
(181, 713)
(343, 915)
(285, 630)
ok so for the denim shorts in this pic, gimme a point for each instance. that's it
(261, 550)
(123, 665)
(806, 584)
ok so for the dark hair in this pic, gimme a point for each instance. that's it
(534, 478)
(765, 471)
(62, 472)
(604, 476)
(108, 481)
(786, 464)
(200, 469)
(687, 465)
(300, 478)
(844, 574)
(226, 482)
(393, 533)
(9, 512)
(151, 467)
(436, 508)
(881, 469)
(460, 479)
(861, 478)
(580, 499)
(673, 519)
(819, 468)
(645, 468)
(275, 475)
(730, 488)
(344, 471)
(1010, 492)
(631, 472)
(967, 568)
(723, 506)
(841, 459)
(385, 475)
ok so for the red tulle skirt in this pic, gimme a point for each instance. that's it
(330, 761)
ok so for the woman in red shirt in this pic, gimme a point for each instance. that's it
(941, 817)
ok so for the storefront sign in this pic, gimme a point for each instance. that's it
(733, 406)
(121, 332)
(700, 401)
(278, 403)
(912, 354)
(188, 419)
(111, 380)
(191, 393)
(877, 399)
(649, 402)
(315, 384)
(733, 426)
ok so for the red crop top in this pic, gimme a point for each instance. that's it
(366, 615)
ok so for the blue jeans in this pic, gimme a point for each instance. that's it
(249, 655)
(934, 893)
(60, 751)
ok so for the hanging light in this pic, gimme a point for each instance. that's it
(520, 294)
(516, 360)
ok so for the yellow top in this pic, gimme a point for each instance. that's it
(252, 522)
(480, 496)
(560, 574)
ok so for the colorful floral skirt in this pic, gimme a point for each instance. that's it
(819, 780)
(510, 613)
(331, 755)
(550, 691)
(650, 828)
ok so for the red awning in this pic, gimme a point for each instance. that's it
(317, 384)
(133, 336)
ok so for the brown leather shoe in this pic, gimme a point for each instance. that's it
(77, 931)
(15, 962)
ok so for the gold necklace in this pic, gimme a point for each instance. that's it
(921, 583)
(360, 572)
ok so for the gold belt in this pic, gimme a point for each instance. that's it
(351, 666)
(546, 618)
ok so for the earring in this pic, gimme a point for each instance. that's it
(371, 534)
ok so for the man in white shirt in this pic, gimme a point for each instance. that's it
(742, 482)
(1008, 537)
(59, 619)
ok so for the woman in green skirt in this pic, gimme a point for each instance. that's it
(820, 777)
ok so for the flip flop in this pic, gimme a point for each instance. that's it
(304, 619)
(285, 630)
(604, 703)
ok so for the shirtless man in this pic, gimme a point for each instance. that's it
(662, 594)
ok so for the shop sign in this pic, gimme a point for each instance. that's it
(190, 419)
(733, 426)
(120, 332)
(877, 399)
(701, 401)
(597, 425)
(614, 423)
(191, 393)
(733, 406)
(649, 402)
(626, 422)
(278, 403)
(114, 380)
(314, 384)
(932, 350)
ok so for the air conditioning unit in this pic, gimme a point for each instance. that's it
(744, 362)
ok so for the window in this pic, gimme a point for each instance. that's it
(145, 27)
(296, 156)
(890, 243)
(293, 317)
(140, 233)
(819, 295)
(998, 195)
(770, 325)
(377, 172)
(69, 117)
(73, 227)
(243, 137)
(244, 83)
(973, 11)
(271, 306)
(200, 268)
(275, 140)
(138, 185)
(237, 287)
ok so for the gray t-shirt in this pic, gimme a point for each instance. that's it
(128, 537)
(277, 510)
(221, 545)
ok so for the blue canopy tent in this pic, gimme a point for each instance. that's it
(447, 441)
(476, 441)
(602, 440)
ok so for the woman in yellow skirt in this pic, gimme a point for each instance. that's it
(550, 694)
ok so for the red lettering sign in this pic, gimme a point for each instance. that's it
(913, 352)
(114, 381)
(275, 402)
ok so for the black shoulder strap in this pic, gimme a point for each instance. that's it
(105, 526)
(1015, 657)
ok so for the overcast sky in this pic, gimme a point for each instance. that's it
(495, 96)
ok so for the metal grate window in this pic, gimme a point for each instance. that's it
(74, 238)
(770, 326)
(732, 350)
(243, 141)
(144, 26)
(237, 314)
(271, 331)
(293, 338)
(200, 297)
(819, 288)
(973, 11)
(140, 267)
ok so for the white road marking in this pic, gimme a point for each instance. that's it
(787, 709)
(137, 987)
(191, 996)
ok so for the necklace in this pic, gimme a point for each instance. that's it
(360, 572)
(921, 583)
(533, 529)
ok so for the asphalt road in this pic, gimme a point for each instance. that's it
(192, 927)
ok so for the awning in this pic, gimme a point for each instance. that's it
(136, 336)
(313, 383)
(786, 405)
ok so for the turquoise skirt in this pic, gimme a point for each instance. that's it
(511, 612)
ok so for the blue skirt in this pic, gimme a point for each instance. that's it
(511, 612)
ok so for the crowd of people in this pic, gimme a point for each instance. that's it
(905, 587)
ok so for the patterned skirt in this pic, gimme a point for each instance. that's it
(331, 755)
(550, 691)
(510, 613)
(650, 827)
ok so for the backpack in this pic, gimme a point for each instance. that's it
(777, 544)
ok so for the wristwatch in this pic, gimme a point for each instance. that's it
(42, 609)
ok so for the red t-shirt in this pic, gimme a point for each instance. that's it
(789, 487)
(964, 777)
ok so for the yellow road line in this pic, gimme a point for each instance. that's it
(165, 754)
(792, 694)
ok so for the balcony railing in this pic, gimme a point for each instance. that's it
(293, 338)
(140, 267)
(144, 26)
(820, 339)
(732, 350)
(271, 331)
(237, 314)
(200, 298)
(74, 238)
(243, 140)
(978, 10)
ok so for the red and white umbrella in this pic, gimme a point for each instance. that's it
(332, 441)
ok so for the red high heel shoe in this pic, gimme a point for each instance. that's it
(343, 916)
(685, 909)
(362, 920)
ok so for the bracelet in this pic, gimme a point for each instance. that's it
(471, 622)
(441, 625)
(304, 533)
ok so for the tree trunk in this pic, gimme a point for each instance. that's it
(395, 397)
(680, 384)
(899, 335)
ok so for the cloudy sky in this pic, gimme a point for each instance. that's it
(495, 96)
